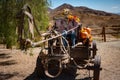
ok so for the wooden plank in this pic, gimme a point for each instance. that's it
(113, 33)
(113, 27)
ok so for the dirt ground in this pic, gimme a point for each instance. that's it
(17, 65)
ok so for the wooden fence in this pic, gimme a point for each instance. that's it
(103, 31)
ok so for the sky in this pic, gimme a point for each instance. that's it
(104, 5)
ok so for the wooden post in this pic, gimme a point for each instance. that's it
(118, 33)
(103, 34)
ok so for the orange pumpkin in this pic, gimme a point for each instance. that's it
(83, 33)
(88, 30)
(86, 33)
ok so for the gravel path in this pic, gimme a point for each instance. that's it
(110, 54)
(16, 65)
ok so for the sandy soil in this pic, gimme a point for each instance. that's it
(17, 65)
(110, 54)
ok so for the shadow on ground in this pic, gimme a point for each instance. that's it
(6, 76)
(4, 56)
(63, 76)
(67, 74)
(7, 63)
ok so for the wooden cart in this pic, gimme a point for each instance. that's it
(54, 57)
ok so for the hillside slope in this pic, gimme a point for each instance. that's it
(89, 17)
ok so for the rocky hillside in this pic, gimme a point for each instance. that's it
(89, 17)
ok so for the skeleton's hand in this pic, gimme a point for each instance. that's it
(30, 42)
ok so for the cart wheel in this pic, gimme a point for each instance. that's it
(97, 64)
(39, 68)
(94, 49)
(53, 68)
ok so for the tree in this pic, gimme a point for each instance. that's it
(7, 19)
(40, 12)
(8, 11)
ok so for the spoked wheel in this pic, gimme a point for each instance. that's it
(94, 49)
(97, 64)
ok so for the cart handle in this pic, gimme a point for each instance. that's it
(33, 44)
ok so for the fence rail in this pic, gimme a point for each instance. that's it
(104, 31)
